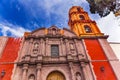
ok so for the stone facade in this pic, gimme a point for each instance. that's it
(38, 61)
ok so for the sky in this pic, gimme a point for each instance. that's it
(19, 16)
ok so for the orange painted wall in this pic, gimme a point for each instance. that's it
(9, 54)
(96, 53)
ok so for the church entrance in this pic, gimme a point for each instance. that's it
(55, 75)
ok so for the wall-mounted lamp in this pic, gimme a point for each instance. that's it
(102, 68)
(2, 73)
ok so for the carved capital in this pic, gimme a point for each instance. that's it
(82, 64)
(25, 66)
(39, 65)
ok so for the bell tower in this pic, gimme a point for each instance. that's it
(102, 58)
(81, 24)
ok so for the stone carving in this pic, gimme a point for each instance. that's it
(53, 30)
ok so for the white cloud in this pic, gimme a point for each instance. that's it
(110, 25)
(17, 31)
(59, 8)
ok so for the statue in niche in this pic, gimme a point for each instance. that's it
(78, 76)
(32, 77)
(36, 45)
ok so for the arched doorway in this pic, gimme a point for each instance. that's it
(55, 75)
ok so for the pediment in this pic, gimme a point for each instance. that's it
(53, 31)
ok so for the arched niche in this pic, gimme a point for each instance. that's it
(31, 77)
(78, 76)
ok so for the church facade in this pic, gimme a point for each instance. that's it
(81, 53)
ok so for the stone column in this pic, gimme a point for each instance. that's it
(40, 46)
(39, 71)
(84, 71)
(71, 70)
(61, 45)
(46, 45)
(25, 68)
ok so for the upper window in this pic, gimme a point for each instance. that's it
(87, 29)
(81, 17)
(54, 50)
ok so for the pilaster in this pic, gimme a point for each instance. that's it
(46, 46)
(24, 74)
(72, 70)
(39, 71)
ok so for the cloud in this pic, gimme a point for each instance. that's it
(53, 12)
(17, 31)
(110, 25)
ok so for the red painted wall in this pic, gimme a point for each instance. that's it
(96, 53)
(9, 54)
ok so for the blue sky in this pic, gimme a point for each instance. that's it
(18, 16)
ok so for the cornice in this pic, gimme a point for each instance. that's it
(82, 21)
(66, 37)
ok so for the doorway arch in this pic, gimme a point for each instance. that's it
(55, 75)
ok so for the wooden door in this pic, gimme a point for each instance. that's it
(55, 76)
